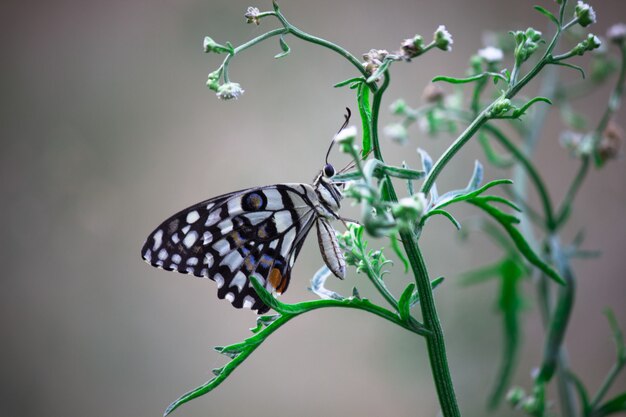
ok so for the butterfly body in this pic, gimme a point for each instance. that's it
(254, 232)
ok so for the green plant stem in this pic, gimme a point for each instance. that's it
(607, 383)
(560, 316)
(566, 205)
(453, 149)
(247, 45)
(530, 169)
(435, 341)
(614, 101)
(376, 102)
(322, 42)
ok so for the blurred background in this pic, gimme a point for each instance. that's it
(107, 128)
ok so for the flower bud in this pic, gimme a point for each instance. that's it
(211, 46)
(617, 33)
(491, 55)
(252, 15)
(398, 107)
(409, 210)
(345, 139)
(229, 91)
(500, 107)
(442, 38)
(515, 396)
(410, 48)
(213, 80)
(397, 133)
(585, 14)
(611, 143)
(433, 93)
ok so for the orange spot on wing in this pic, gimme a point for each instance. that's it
(275, 279)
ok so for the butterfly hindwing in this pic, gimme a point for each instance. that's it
(255, 232)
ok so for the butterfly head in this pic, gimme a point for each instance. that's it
(328, 192)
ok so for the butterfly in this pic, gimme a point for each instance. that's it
(253, 232)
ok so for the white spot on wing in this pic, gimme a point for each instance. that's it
(192, 261)
(287, 242)
(175, 238)
(257, 217)
(148, 255)
(208, 260)
(210, 206)
(176, 258)
(186, 229)
(226, 226)
(233, 260)
(157, 239)
(239, 281)
(162, 254)
(190, 239)
(219, 280)
(283, 220)
(230, 297)
(192, 217)
(207, 237)
(274, 199)
(273, 244)
(213, 218)
(234, 206)
(221, 246)
(248, 302)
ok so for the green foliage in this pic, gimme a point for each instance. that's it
(373, 184)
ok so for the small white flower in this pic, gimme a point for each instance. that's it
(252, 15)
(396, 132)
(443, 39)
(585, 14)
(346, 136)
(229, 91)
(491, 54)
(617, 33)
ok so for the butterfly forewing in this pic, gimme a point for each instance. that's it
(255, 232)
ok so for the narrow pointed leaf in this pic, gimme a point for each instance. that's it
(365, 111)
(548, 14)
(404, 303)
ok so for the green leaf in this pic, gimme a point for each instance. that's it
(519, 112)
(399, 252)
(404, 306)
(507, 221)
(572, 66)
(453, 80)
(415, 297)
(349, 81)
(471, 195)
(582, 393)
(265, 296)
(618, 336)
(380, 71)
(548, 14)
(492, 156)
(402, 173)
(482, 274)
(509, 303)
(284, 47)
(442, 213)
(613, 406)
(365, 111)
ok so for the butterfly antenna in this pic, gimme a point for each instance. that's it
(352, 164)
(343, 126)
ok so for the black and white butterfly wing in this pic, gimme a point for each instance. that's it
(256, 232)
